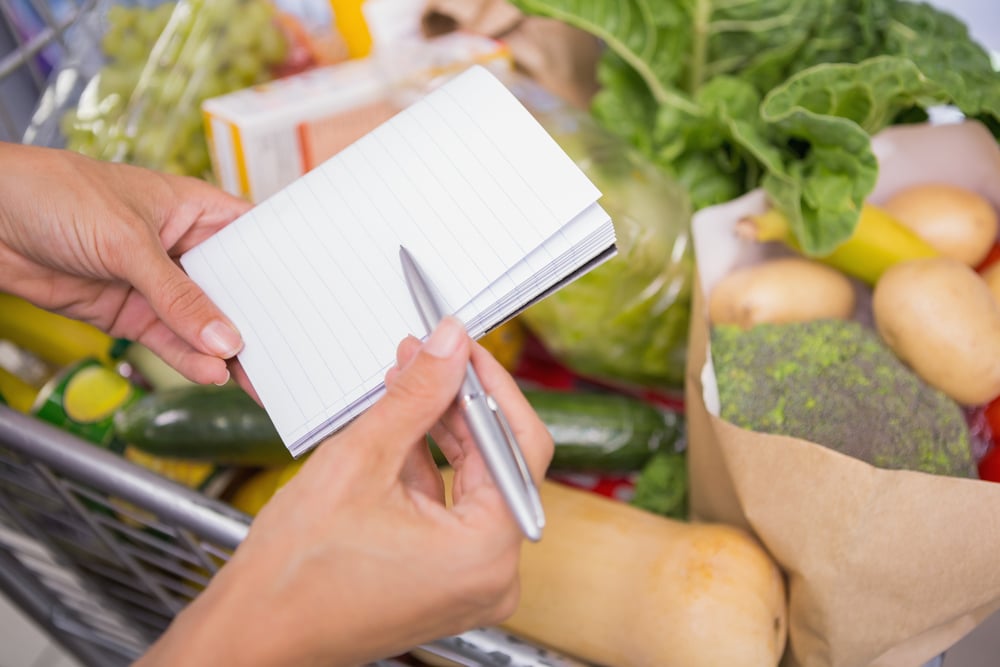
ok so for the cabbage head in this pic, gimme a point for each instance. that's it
(627, 320)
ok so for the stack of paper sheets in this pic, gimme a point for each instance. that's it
(492, 209)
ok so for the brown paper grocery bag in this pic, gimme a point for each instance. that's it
(885, 568)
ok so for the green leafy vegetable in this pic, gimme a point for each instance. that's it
(939, 45)
(783, 94)
(662, 485)
(834, 108)
(628, 319)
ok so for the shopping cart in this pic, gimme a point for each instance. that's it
(101, 553)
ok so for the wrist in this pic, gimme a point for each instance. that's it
(199, 635)
(211, 630)
(239, 619)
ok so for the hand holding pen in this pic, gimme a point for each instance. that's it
(360, 556)
(484, 418)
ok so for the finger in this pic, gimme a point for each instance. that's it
(405, 352)
(136, 320)
(415, 399)
(474, 489)
(529, 431)
(181, 304)
(450, 433)
(480, 504)
(476, 497)
(203, 210)
(453, 439)
(420, 473)
(195, 366)
(239, 375)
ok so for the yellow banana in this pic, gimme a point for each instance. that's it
(878, 242)
(254, 493)
(191, 474)
(19, 394)
(58, 340)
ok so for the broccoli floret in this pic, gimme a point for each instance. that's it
(662, 486)
(837, 384)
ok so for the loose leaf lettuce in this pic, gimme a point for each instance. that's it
(728, 96)
(939, 45)
(831, 111)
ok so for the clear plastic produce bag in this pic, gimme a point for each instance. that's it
(627, 320)
(130, 86)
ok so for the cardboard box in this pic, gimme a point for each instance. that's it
(263, 138)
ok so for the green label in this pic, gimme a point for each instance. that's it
(83, 400)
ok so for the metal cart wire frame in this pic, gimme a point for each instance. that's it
(99, 552)
(22, 72)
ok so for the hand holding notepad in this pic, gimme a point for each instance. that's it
(485, 200)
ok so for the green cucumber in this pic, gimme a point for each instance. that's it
(203, 423)
(592, 431)
(601, 432)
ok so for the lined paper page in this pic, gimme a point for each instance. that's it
(465, 178)
(543, 268)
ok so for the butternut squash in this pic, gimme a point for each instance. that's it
(618, 586)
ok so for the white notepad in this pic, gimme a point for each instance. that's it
(491, 208)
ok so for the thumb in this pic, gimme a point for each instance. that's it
(416, 399)
(185, 308)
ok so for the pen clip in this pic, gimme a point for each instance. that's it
(522, 466)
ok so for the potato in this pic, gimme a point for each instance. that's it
(791, 289)
(958, 222)
(939, 316)
(992, 278)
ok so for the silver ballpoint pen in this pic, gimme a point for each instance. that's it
(487, 424)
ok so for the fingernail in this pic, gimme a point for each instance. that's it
(445, 338)
(224, 382)
(222, 339)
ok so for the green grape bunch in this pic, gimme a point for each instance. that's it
(160, 63)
